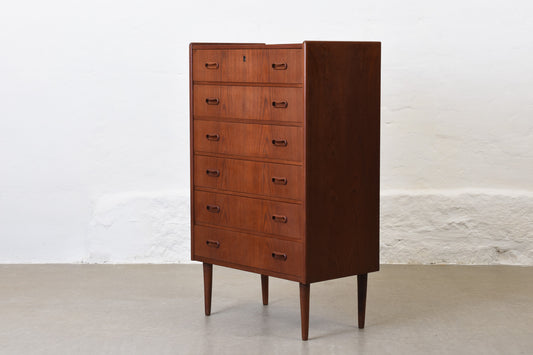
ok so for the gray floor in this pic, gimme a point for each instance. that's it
(158, 309)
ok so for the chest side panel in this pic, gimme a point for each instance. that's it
(342, 162)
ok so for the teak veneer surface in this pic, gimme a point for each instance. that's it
(249, 140)
(248, 176)
(248, 65)
(248, 249)
(249, 214)
(249, 103)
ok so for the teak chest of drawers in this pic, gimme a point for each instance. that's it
(285, 162)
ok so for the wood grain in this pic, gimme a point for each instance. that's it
(249, 214)
(342, 158)
(249, 140)
(249, 103)
(263, 179)
(256, 67)
(249, 250)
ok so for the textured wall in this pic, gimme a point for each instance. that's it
(457, 226)
(94, 123)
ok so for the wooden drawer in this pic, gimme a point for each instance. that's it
(248, 65)
(276, 180)
(281, 256)
(252, 140)
(249, 214)
(253, 102)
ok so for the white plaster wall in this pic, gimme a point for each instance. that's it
(94, 122)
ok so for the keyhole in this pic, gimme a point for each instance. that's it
(244, 58)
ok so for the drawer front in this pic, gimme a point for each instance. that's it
(253, 102)
(249, 214)
(252, 140)
(281, 256)
(276, 180)
(248, 65)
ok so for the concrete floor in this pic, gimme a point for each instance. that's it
(158, 309)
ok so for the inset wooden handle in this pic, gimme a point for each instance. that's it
(211, 65)
(279, 219)
(279, 180)
(279, 142)
(213, 208)
(212, 243)
(212, 101)
(279, 66)
(280, 104)
(279, 256)
(214, 173)
(212, 137)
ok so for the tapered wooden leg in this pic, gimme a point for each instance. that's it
(304, 309)
(208, 284)
(264, 288)
(361, 298)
